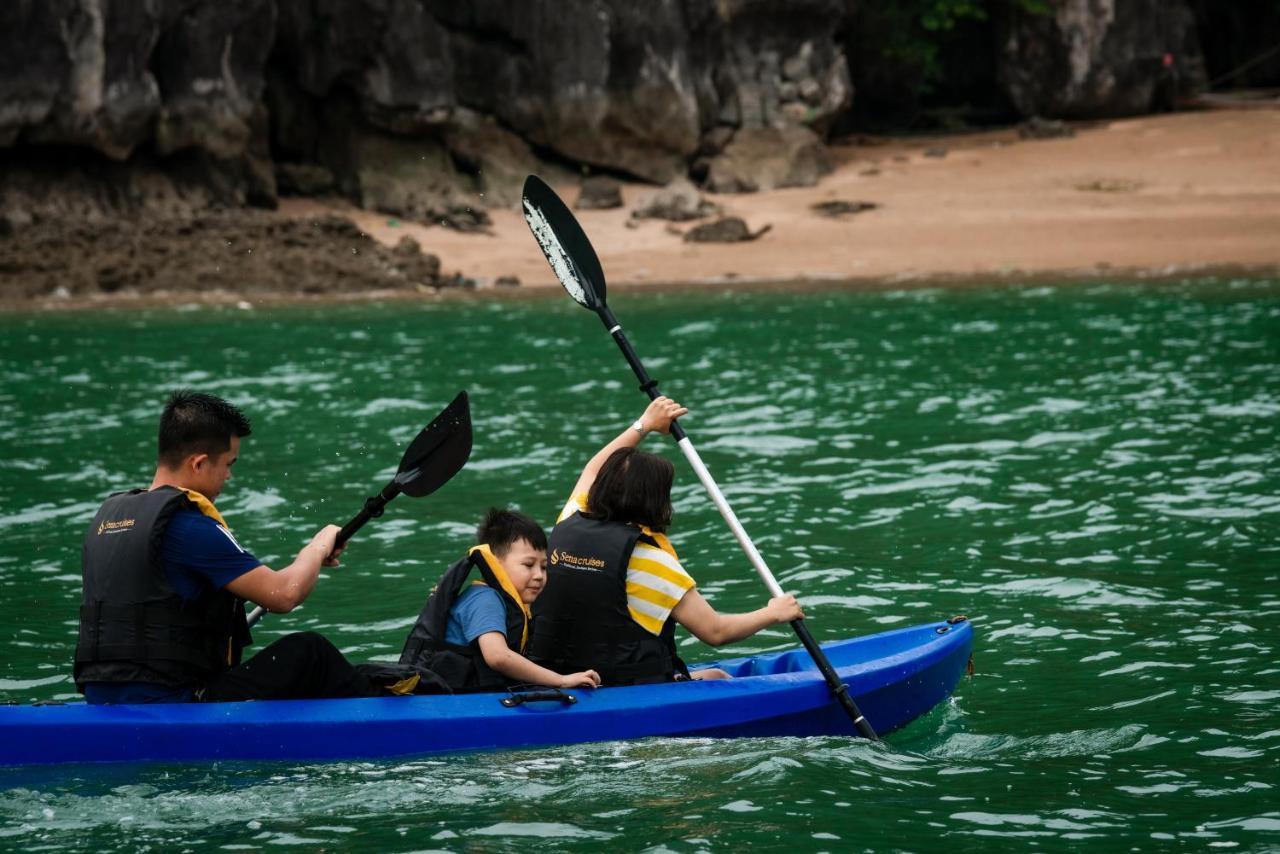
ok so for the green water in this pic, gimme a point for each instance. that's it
(1091, 473)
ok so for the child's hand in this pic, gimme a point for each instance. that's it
(585, 679)
(785, 609)
(660, 413)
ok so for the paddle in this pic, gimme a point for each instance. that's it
(436, 455)
(576, 266)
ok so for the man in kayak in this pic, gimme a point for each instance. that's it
(474, 638)
(162, 617)
(615, 587)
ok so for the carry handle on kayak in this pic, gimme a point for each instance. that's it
(552, 695)
(576, 265)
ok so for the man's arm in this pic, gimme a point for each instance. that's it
(280, 591)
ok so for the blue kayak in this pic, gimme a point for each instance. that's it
(893, 676)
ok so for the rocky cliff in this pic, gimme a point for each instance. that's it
(1101, 58)
(434, 110)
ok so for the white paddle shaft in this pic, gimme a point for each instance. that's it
(255, 615)
(722, 504)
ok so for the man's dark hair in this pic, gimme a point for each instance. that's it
(633, 487)
(501, 529)
(197, 423)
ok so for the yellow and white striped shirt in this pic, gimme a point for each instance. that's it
(656, 582)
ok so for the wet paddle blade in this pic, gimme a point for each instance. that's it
(439, 452)
(564, 243)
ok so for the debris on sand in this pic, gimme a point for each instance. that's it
(730, 229)
(1109, 185)
(839, 208)
(1040, 128)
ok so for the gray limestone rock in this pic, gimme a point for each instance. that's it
(599, 192)
(303, 179)
(1099, 58)
(769, 158)
(114, 75)
(1038, 128)
(498, 159)
(415, 179)
(198, 97)
(679, 201)
(641, 89)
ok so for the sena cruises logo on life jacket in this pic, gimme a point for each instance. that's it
(115, 527)
(575, 561)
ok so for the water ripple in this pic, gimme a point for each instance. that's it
(1089, 472)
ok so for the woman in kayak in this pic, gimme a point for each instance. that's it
(615, 587)
(474, 638)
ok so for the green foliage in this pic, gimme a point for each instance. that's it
(916, 29)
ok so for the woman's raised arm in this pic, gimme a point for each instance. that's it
(657, 418)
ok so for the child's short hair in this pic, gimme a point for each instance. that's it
(501, 529)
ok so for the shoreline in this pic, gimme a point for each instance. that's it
(1191, 195)
(177, 301)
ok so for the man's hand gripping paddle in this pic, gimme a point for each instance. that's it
(575, 264)
(436, 455)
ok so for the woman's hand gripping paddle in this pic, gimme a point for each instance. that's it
(436, 455)
(575, 264)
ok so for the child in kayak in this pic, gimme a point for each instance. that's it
(473, 636)
(616, 588)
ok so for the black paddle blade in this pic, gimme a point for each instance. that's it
(440, 451)
(564, 243)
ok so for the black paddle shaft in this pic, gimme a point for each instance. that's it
(374, 506)
(838, 688)
(648, 384)
(650, 387)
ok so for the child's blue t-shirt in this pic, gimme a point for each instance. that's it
(478, 610)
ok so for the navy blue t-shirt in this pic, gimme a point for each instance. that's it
(199, 557)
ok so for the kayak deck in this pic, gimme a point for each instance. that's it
(893, 676)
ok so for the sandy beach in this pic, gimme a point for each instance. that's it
(1151, 196)
(1155, 197)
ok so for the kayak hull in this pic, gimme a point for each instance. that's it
(893, 676)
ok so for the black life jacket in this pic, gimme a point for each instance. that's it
(581, 618)
(133, 626)
(463, 666)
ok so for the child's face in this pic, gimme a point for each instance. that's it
(527, 569)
